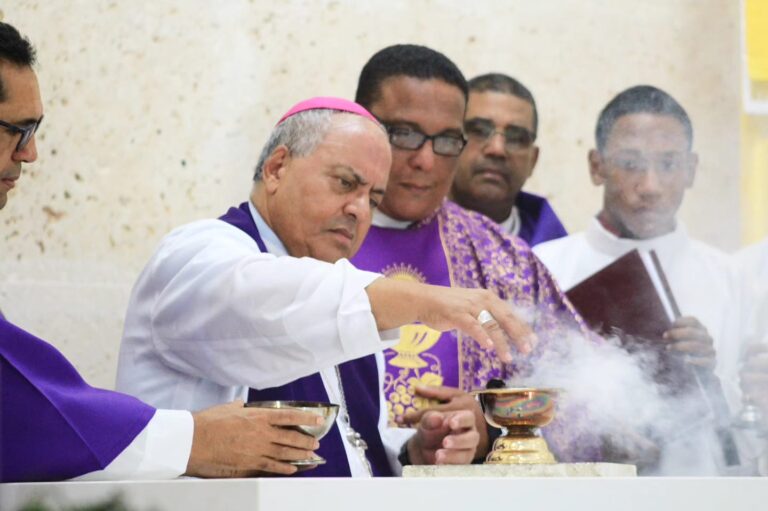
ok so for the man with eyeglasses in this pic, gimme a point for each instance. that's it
(492, 170)
(21, 150)
(645, 163)
(418, 235)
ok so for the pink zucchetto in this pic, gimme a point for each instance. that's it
(328, 103)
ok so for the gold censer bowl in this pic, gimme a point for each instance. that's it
(519, 411)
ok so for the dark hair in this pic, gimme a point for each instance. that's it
(406, 60)
(14, 49)
(640, 99)
(497, 82)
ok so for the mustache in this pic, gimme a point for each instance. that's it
(12, 173)
(348, 225)
(490, 165)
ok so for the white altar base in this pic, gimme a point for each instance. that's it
(403, 494)
(523, 470)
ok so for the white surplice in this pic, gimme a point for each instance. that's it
(701, 278)
(752, 265)
(211, 315)
(704, 286)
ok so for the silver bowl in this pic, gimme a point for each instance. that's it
(327, 411)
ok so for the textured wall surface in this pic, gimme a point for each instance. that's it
(156, 112)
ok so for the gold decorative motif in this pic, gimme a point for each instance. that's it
(400, 389)
(400, 271)
(414, 339)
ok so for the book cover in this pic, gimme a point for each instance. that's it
(626, 298)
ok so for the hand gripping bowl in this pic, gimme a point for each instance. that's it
(327, 411)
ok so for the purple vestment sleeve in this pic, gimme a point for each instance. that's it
(538, 221)
(53, 425)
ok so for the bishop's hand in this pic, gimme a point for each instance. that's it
(478, 313)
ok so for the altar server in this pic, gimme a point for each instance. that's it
(645, 163)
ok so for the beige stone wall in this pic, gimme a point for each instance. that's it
(156, 111)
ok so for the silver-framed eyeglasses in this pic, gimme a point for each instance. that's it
(515, 137)
(408, 137)
(27, 132)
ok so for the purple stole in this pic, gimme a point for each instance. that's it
(538, 221)
(467, 249)
(423, 356)
(53, 425)
(359, 379)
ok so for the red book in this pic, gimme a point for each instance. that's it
(630, 297)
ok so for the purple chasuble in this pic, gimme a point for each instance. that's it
(466, 249)
(424, 356)
(53, 425)
(359, 380)
(538, 221)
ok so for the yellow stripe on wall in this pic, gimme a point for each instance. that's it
(757, 39)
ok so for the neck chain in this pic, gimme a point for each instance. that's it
(353, 436)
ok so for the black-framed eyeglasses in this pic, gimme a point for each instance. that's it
(515, 137)
(27, 132)
(407, 137)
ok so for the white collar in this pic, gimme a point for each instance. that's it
(268, 236)
(605, 241)
(379, 219)
(511, 224)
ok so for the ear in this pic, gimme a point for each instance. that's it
(596, 167)
(693, 164)
(274, 168)
(534, 159)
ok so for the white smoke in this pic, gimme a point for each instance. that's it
(616, 399)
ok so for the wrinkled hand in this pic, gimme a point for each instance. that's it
(444, 438)
(754, 377)
(232, 441)
(690, 339)
(449, 399)
(396, 303)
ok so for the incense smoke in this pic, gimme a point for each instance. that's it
(610, 399)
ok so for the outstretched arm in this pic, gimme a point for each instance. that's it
(395, 303)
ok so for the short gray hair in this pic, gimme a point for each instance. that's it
(301, 134)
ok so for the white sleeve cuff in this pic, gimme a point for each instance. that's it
(357, 328)
(160, 451)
